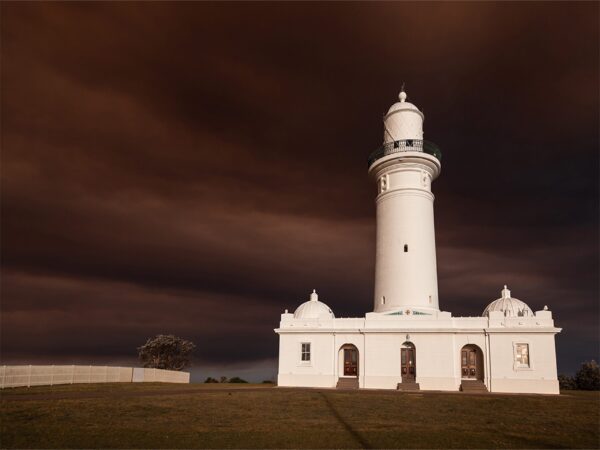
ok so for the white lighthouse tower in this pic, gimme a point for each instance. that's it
(404, 167)
(407, 343)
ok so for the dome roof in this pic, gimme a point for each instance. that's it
(403, 105)
(511, 307)
(313, 309)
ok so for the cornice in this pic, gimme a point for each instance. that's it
(540, 330)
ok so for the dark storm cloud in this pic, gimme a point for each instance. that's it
(196, 168)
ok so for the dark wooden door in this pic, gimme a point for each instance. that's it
(408, 364)
(350, 362)
(468, 363)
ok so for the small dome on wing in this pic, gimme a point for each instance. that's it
(511, 307)
(313, 309)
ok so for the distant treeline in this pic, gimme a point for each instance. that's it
(231, 380)
(587, 378)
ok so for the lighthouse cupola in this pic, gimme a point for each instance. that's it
(402, 121)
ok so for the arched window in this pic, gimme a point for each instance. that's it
(405, 248)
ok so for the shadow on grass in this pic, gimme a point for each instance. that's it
(533, 442)
(363, 443)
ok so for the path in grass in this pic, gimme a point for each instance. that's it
(136, 416)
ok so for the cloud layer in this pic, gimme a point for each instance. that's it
(197, 168)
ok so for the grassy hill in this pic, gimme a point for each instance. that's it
(259, 416)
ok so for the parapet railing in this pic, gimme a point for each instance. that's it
(406, 145)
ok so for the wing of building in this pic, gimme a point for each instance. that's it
(407, 342)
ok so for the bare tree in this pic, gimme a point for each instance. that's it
(166, 351)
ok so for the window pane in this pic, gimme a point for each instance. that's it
(522, 354)
(305, 351)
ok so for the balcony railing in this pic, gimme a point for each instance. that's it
(406, 145)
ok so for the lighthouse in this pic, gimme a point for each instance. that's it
(407, 343)
(404, 168)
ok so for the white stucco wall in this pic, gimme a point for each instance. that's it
(438, 341)
(507, 376)
(405, 218)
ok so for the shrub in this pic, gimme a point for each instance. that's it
(237, 380)
(566, 382)
(165, 351)
(210, 380)
(267, 382)
(223, 380)
(588, 376)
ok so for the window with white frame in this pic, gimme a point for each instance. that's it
(522, 355)
(305, 352)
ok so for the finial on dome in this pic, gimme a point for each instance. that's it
(545, 307)
(314, 296)
(402, 95)
(505, 292)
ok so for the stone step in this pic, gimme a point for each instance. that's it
(347, 383)
(408, 386)
(473, 386)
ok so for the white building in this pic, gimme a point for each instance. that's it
(407, 342)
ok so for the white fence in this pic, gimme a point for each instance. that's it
(13, 376)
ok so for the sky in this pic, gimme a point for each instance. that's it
(196, 169)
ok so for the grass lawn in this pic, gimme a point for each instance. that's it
(258, 416)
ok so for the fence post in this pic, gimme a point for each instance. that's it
(51, 374)
(29, 378)
(3, 377)
(72, 373)
(106, 374)
(90, 375)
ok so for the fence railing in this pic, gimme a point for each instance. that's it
(30, 375)
(406, 145)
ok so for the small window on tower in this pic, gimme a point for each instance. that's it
(383, 300)
(405, 248)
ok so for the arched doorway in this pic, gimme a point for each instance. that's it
(471, 363)
(348, 357)
(348, 369)
(408, 362)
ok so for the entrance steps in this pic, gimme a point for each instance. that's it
(347, 383)
(408, 386)
(475, 386)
